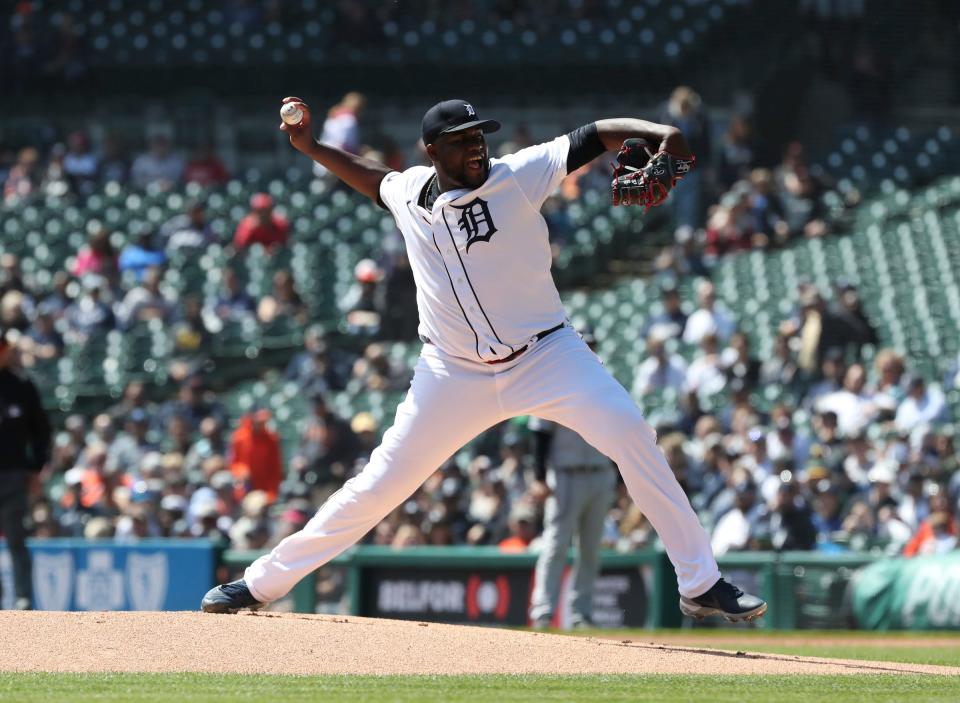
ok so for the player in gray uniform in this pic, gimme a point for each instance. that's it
(496, 341)
(581, 486)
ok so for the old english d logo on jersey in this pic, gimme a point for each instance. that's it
(476, 222)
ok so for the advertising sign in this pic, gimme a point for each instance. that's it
(89, 575)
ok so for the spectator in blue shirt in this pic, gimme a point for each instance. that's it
(140, 256)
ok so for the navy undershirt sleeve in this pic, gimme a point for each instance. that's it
(585, 146)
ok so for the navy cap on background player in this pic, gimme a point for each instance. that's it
(453, 116)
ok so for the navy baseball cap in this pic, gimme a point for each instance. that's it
(453, 116)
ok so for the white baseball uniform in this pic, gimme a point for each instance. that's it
(481, 260)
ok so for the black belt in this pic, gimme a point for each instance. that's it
(510, 357)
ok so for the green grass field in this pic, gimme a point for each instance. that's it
(197, 688)
(940, 648)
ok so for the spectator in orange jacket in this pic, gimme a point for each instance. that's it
(262, 225)
(256, 454)
(522, 528)
(936, 535)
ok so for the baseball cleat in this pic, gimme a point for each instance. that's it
(229, 598)
(724, 599)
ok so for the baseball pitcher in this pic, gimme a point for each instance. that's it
(496, 340)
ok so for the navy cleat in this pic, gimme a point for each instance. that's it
(229, 598)
(724, 599)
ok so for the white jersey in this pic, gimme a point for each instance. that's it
(481, 259)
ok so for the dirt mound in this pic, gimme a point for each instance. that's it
(323, 644)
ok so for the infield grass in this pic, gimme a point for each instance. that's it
(210, 688)
(941, 648)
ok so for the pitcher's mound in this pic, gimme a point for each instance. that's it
(323, 644)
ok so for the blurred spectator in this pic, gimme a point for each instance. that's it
(283, 302)
(262, 225)
(827, 516)
(488, 508)
(522, 529)
(922, 405)
(733, 531)
(114, 165)
(890, 369)
(321, 366)
(211, 444)
(42, 341)
(708, 318)
(205, 167)
(57, 300)
(134, 397)
(849, 311)
(55, 183)
(765, 209)
(97, 256)
(255, 454)
(685, 112)
(24, 177)
(407, 536)
(800, 193)
(13, 311)
(128, 451)
(328, 446)
(736, 152)
(141, 255)
(362, 303)
(146, 301)
(232, 302)
(157, 166)
(672, 320)
(341, 129)
(194, 403)
(730, 226)
(738, 362)
(190, 333)
(853, 404)
(706, 376)
(859, 460)
(25, 436)
(80, 164)
(89, 315)
(660, 370)
(188, 231)
(366, 429)
(375, 372)
(398, 304)
(11, 274)
(791, 520)
(819, 331)
(781, 367)
(177, 436)
(936, 535)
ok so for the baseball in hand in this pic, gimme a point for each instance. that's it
(291, 114)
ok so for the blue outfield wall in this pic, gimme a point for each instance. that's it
(76, 574)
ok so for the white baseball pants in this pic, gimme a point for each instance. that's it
(452, 400)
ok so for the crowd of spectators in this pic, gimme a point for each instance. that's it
(853, 452)
(851, 455)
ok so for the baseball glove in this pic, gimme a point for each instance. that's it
(641, 177)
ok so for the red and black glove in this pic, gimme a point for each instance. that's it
(641, 177)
